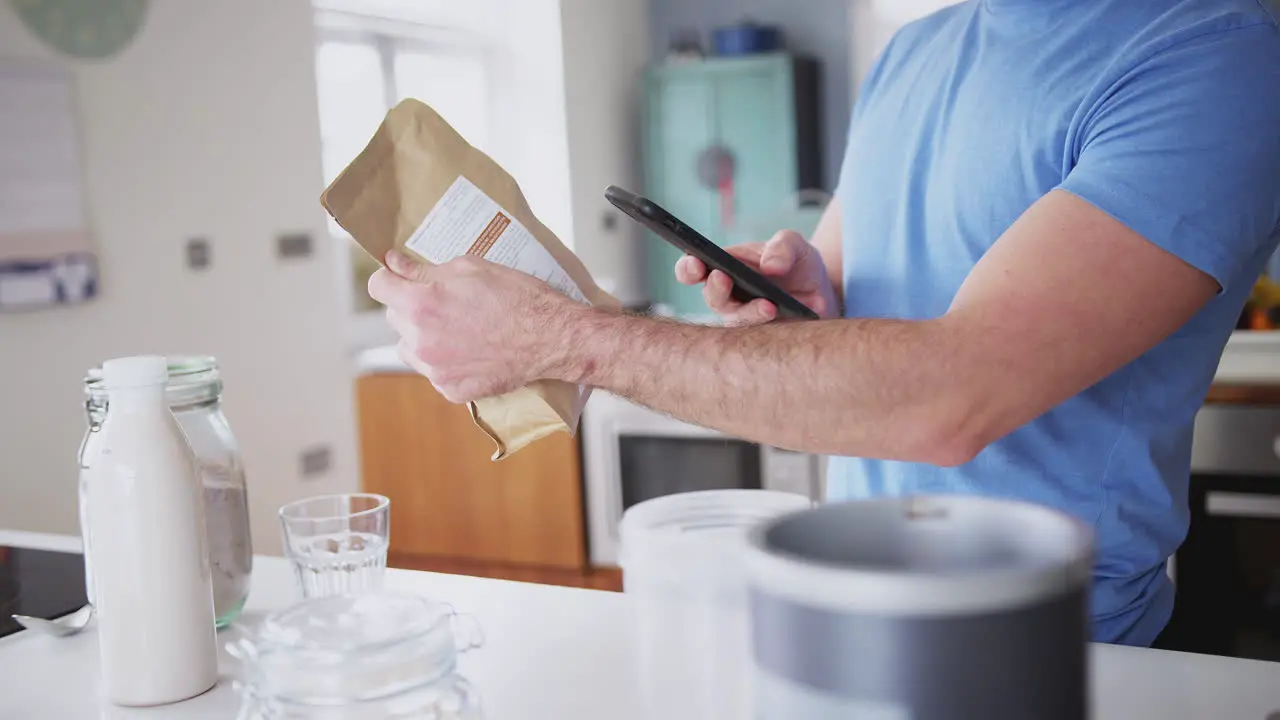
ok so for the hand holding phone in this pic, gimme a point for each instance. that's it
(787, 259)
(732, 284)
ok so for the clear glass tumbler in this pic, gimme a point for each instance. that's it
(337, 543)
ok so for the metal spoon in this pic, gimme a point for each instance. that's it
(61, 627)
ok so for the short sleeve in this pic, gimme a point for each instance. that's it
(1185, 150)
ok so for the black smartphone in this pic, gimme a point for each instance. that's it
(748, 284)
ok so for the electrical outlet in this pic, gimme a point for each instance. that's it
(292, 246)
(315, 461)
(199, 253)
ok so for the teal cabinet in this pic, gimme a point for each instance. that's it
(763, 112)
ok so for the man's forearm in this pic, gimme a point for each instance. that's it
(871, 388)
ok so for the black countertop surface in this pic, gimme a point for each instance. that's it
(40, 583)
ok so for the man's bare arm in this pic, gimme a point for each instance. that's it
(1058, 303)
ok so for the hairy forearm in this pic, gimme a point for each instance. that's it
(870, 388)
(934, 391)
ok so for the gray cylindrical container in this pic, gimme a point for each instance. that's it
(921, 608)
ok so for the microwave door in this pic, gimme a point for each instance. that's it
(652, 466)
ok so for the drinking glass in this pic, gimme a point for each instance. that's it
(337, 543)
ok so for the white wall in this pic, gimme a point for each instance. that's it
(605, 50)
(207, 126)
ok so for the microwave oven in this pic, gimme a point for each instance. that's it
(631, 454)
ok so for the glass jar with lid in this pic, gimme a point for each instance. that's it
(195, 397)
(376, 656)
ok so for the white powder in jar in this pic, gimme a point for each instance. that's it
(230, 548)
(227, 539)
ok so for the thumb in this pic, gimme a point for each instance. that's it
(782, 252)
(406, 267)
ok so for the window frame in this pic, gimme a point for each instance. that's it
(367, 329)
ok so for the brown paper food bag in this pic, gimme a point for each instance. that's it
(420, 188)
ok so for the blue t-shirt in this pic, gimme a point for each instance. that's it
(1165, 114)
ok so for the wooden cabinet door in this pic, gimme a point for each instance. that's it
(448, 499)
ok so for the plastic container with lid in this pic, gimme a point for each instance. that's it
(682, 571)
(194, 394)
(927, 606)
(372, 656)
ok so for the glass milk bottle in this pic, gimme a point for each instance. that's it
(145, 512)
(194, 394)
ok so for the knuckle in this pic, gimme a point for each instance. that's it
(422, 309)
(423, 353)
(419, 314)
(683, 273)
(788, 237)
(405, 352)
(374, 285)
(748, 252)
(450, 391)
(467, 264)
(446, 374)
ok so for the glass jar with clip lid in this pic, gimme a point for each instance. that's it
(194, 393)
(377, 656)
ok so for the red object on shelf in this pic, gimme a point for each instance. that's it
(726, 200)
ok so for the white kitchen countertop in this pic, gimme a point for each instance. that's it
(565, 654)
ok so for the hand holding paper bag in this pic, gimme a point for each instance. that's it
(420, 189)
(474, 328)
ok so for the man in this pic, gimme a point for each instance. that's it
(1049, 215)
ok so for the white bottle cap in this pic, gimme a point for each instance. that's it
(141, 371)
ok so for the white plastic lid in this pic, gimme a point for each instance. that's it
(132, 372)
(697, 534)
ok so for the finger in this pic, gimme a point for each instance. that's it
(782, 252)
(405, 351)
(690, 270)
(718, 293)
(402, 325)
(758, 311)
(748, 253)
(390, 289)
(406, 267)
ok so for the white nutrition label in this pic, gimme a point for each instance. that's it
(466, 221)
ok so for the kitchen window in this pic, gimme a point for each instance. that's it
(365, 66)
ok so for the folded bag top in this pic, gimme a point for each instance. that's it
(420, 188)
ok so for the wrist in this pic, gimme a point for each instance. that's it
(576, 347)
